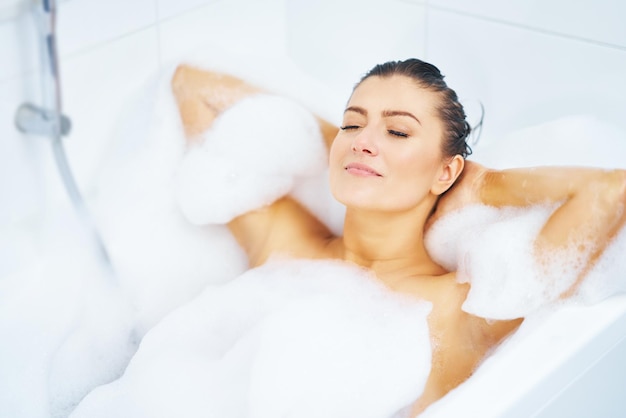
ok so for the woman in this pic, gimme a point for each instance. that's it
(398, 163)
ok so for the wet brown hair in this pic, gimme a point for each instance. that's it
(450, 110)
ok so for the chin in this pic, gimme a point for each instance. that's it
(376, 200)
(358, 199)
(349, 198)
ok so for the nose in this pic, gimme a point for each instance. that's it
(363, 143)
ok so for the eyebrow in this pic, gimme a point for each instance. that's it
(389, 113)
(356, 109)
(385, 113)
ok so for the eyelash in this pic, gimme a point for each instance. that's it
(390, 131)
(398, 134)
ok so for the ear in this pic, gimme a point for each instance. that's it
(450, 170)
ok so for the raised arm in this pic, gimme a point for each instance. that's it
(592, 203)
(592, 212)
(201, 95)
(285, 225)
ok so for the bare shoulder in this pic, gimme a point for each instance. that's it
(442, 290)
(447, 296)
(286, 228)
(460, 340)
(282, 227)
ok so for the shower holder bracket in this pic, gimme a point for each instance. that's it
(32, 119)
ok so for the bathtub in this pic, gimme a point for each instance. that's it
(571, 364)
(567, 363)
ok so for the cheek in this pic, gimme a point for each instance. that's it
(334, 163)
(336, 155)
(411, 163)
(417, 169)
(332, 153)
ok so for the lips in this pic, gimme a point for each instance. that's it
(362, 170)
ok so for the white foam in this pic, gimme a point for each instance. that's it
(65, 326)
(159, 258)
(65, 329)
(251, 156)
(608, 276)
(493, 250)
(310, 338)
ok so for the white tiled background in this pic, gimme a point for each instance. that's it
(528, 61)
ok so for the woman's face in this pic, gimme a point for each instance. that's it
(387, 154)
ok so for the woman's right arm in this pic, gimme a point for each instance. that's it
(201, 95)
(284, 226)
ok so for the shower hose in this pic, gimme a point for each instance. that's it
(50, 121)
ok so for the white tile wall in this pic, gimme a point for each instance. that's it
(84, 24)
(526, 60)
(18, 46)
(339, 40)
(98, 85)
(601, 21)
(170, 8)
(21, 189)
(240, 26)
(525, 77)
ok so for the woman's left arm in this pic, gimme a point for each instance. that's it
(592, 208)
(591, 213)
(592, 202)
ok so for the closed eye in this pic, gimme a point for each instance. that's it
(349, 127)
(398, 133)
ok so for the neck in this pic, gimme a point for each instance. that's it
(391, 244)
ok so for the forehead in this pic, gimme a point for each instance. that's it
(396, 92)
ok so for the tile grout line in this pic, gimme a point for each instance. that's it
(426, 20)
(529, 28)
(157, 25)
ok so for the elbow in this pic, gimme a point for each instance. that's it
(615, 193)
(605, 195)
(621, 195)
(621, 191)
(619, 184)
(179, 78)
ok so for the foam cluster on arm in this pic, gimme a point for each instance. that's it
(254, 153)
(492, 249)
(494, 246)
